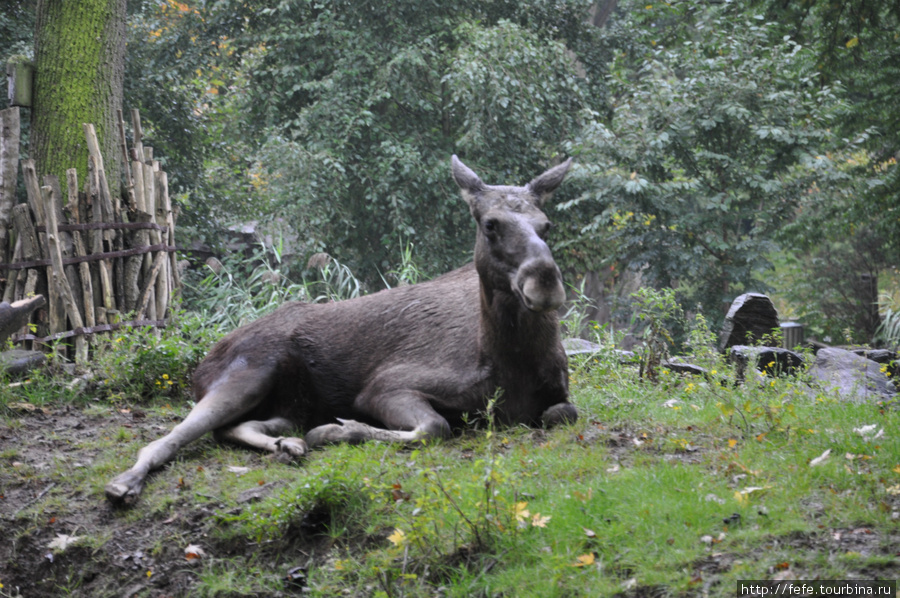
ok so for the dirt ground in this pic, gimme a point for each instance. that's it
(54, 463)
(117, 554)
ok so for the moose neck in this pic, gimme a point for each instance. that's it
(510, 331)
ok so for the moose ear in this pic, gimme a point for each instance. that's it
(467, 180)
(544, 185)
(469, 184)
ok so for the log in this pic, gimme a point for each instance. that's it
(162, 280)
(138, 147)
(149, 285)
(134, 264)
(87, 287)
(106, 283)
(55, 309)
(126, 162)
(27, 282)
(10, 132)
(150, 200)
(93, 238)
(59, 274)
(66, 241)
(174, 277)
(109, 210)
(13, 316)
(12, 276)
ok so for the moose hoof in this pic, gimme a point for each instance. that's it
(349, 431)
(292, 448)
(125, 489)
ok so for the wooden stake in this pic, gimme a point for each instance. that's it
(59, 275)
(87, 288)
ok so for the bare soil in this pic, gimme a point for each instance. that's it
(45, 496)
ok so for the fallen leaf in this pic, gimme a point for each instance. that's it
(539, 521)
(398, 538)
(732, 442)
(713, 498)
(584, 560)
(820, 459)
(589, 532)
(62, 541)
(868, 432)
(237, 470)
(521, 512)
(194, 553)
(613, 469)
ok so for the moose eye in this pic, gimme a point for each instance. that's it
(544, 229)
(490, 225)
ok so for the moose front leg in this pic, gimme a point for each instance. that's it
(561, 413)
(407, 415)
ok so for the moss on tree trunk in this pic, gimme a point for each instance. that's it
(79, 71)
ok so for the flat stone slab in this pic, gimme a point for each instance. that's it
(580, 346)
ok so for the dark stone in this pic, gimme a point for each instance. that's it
(852, 376)
(751, 317)
(781, 360)
(18, 361)
(879, 355)
(680, 367)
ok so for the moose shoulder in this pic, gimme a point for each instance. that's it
(399, 365)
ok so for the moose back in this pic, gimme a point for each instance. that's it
(400, 365)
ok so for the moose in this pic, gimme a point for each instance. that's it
(400, 365)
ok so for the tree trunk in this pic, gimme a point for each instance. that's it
(9, 170)
(79, 70)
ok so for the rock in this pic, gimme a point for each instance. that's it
(681, 367)
(19, 361)
(751, 317)
(579, 346)
(852, 376)
(785, 360)
(879, 355)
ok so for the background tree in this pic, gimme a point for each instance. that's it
(715, 135)
(79, 68)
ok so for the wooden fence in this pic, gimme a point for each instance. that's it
(102, 261)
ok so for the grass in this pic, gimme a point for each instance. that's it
(678, 487)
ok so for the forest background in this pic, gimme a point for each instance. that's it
(720, 147)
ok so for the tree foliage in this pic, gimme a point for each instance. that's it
(715, 136)
(365, 104)
(713, 141)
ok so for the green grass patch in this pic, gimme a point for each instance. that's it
(674, 487)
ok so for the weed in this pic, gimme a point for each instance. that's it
(575, 320)
(658, 310)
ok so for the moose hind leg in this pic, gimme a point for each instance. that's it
(232, 396)
(259, 434)
(407, 415)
